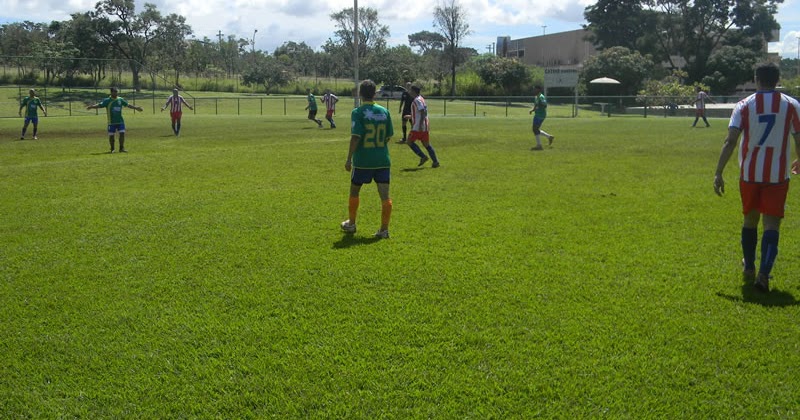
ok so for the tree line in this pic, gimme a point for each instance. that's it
(90, 46)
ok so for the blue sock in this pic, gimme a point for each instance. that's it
(431, 152)
(416, 150)
(769, 250)
(749, 244)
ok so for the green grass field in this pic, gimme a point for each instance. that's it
(206, 277)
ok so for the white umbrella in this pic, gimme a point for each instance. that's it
(605, 81)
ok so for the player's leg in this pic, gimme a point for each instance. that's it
(357, 179)
(537, 134)
(412, 144)
(696, 117)
(749, 193)
(35, 129)
(431, 152)
(772, 203)
(705, 120)
(386, 208)
(24, 128)
(405, 129)
(122, 141)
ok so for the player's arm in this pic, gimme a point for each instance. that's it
(187, 104)
(728, 146)
(354, 139)
(95, 106)
(21, 107)
(166, 104)
(44, 111)
(135, 108)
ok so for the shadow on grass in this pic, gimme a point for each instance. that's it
(774, 298)
(418, 168)
(350, 240)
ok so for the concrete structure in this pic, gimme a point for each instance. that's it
(562, 49)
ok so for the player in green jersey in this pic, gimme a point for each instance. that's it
(368, 156)
(114, 105)
(31, 104)
(539, 112)
(312, 108)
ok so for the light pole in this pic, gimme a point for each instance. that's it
(253, 43)
(544, 27)
(798, 56)
(355, 51)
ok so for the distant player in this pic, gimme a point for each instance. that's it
(405, 109)
(175, 103)
(539, 112)
(368, 156)
(116, 124)
(31, 104)
(765, 120)
(700, 106)
(312, 108)
(420, 128)
(329, 99)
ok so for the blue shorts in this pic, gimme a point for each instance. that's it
(34, 120)
(538, 121)
(365, 176)
(116, 128)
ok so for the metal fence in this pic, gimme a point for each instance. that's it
(71, 102)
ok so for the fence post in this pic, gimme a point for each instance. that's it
(216, 106)
(445, 107)
(261, 100)
(475, 108)
(646, 102)
(238, 107)
(284, 107)
(507, 105)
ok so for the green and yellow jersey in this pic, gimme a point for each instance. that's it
(113, 108)
(372, 124)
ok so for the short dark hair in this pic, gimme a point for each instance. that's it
(416, 89)
(366, 89)
(114, 89)
(768, 74)
(538, 87)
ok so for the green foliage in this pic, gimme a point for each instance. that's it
(206, 276)
(509, 74)
(729, 67)
(669, 91)
(630, 68)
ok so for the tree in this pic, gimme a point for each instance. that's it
(265, 70)
(506, 73)
(393, 65)
(728, 67)
(450, 18)
(427, 42)
(691, 30)
(171, 47)
(371, 34)
(620, 63)
(300, 57)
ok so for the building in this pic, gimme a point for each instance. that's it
(562, 49)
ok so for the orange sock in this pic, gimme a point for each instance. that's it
(353, 209)
(386, 212)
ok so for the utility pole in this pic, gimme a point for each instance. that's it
(355, 55)
(219, 36)
(544, 27)
(253, 43)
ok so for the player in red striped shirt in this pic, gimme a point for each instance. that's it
(175, 102)
(330, 106)
(766, 120)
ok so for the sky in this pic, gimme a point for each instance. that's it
(270, 23)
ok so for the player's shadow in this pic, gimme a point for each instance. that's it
(418, 168)
(351, 240)
(774, 298)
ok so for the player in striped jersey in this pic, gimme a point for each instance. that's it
(420, 128)
(175, 102)
(329, 99)
(766, 120)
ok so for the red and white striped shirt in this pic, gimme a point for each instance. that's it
(175, 103)
(419, 114)
(330, 101)
(767, 120)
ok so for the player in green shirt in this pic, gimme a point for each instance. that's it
(114, 105)
(32, 104)
(368, 156)
(312, 108)
(539, 112)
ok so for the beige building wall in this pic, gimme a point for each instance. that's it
(562, 49)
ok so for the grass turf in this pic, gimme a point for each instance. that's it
(205, 276)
